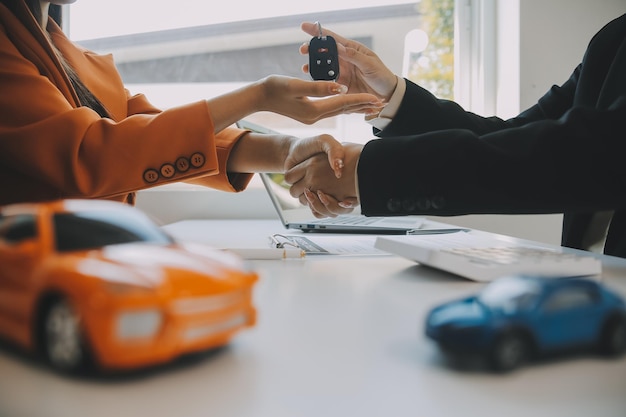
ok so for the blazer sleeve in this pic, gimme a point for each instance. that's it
(51, 149)
(422, 112)
(572, 163)
(224, 140)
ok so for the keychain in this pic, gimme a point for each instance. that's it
(323, 57)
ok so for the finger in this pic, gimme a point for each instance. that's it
(355, 99)
(313, 30)
(316, 88)
(310, 147)
(360, 58)
(305, 203)
(335, 154)
(316, 205)
(346, 104)
(332, 205)
(317, 215)
(350, 203)
(297, 190)
(310, 28)
(294, 174)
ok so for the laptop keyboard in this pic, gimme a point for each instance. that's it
(346, 220)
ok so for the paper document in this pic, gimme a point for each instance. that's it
(329, 244)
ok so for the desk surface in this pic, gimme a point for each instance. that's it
(336, 337)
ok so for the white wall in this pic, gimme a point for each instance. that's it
(547, 38)
(554, 36)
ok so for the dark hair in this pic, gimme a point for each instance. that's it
(56, 13)
(85, 96)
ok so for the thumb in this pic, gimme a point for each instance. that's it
(308, 147)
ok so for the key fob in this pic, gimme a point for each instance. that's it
(323, 58)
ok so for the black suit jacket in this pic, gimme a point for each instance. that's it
(563, 155)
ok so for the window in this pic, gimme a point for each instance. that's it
(570, 298)
(17, 228)
(80, 231)
(177, 52)
(429, 49)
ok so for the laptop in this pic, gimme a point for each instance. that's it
(294, 215)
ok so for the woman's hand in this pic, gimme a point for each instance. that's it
(360, 69)
(324, 146)
(292, 97)
(304, 101)
(256, 152)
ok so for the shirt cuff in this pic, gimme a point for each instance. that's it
(356, 180)
(387, 114)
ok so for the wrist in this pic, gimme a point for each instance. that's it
(257, 95)
(392, 85)
(384, 117)
(285, 146)
(353, 153)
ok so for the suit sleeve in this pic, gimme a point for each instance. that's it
(572, 163)
(421, 112)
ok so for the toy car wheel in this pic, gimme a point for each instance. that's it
(613, 341)
(62, 337)
(509, 352)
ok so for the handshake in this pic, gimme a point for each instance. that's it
(322, 174)
(321, 171)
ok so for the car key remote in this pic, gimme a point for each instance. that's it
(323, 58)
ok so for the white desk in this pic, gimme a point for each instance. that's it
(336, 337)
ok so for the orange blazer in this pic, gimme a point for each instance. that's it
(50, 147)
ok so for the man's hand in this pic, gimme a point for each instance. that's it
(361, 70)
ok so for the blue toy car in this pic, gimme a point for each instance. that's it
(514, 317)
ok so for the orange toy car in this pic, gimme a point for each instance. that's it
(87, 282)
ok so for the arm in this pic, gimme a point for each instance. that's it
(76, 153)
(289, 97)
(563, 154)
(422, 112)
(570, 164)
(546, 167)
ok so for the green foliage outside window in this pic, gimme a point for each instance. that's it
(433, 68)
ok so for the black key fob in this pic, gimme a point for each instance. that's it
(323, 58)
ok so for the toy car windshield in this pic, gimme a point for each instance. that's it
(94, 229)
(510, 294)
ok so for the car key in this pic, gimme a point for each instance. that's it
(323, 57)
